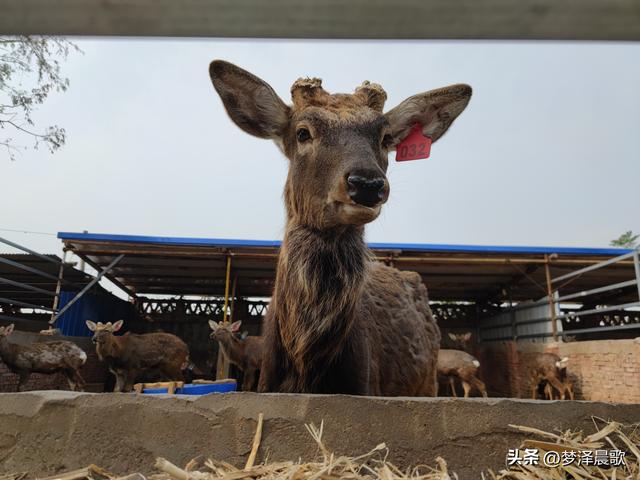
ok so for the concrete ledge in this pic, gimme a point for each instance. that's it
(48, 432)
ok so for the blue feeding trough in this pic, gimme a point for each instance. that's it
(222, 386)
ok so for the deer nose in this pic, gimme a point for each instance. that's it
(366, 191)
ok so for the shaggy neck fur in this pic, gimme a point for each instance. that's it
(318, 283)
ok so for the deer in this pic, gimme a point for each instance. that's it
(551, 368)
(58, 356)
(245, 352)
(130, 355)
(340, 322)
(458, 364)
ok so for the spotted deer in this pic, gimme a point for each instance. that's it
(130, 355)
(245, 352)
(58, 356)
(551, 368)
(340, 322)
(458, 364)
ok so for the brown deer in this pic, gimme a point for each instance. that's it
(551, 368)
(340, 322)
(245, 353)
(43, 357)
(458, 364)
(130, 355)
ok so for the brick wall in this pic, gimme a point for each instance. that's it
(602, 370)
(94, 372)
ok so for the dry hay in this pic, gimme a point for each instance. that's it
(373, 465)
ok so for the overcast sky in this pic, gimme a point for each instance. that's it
(546, 153)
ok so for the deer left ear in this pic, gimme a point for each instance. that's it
(118, 325)
(434, 110)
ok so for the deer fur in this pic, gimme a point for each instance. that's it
(245, 353)
(338, 321)
(130, 355)
(58, 356)
(551, 368)
(461, 366)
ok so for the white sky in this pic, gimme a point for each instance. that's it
(545, 154)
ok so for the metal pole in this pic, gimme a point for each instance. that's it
(636, 264)
(552, 309)
(512, 315)
(223, 369)
(104, 271)
(56, 299)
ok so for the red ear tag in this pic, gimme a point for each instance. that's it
(415, 146)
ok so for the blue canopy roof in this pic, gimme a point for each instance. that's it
(416, 247)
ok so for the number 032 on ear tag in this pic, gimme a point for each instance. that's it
(414, 147)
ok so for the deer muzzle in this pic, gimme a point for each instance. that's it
(368, 191)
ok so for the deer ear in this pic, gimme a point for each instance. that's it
(213, 325)
(9, 329)
(466, 336)
(118, 325)
(250, 102)
(91, 326)
(434, 110)
(452, 336)
(235, 326)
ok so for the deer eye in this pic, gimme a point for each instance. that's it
(387, 141)
(303, 135)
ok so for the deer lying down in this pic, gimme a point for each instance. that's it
(131, 354)
(244, 353)
(549, 367)
(454, 364)
(43, 357)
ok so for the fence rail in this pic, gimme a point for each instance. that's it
(554, 299)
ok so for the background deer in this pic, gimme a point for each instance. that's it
(459, 365)
(43, 357)
(245, 353)
(130, 355)
(338, 322)
(551, 368)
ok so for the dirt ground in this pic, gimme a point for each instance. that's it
(50, 432)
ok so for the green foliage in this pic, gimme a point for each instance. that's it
(626, 240)
(30, 70)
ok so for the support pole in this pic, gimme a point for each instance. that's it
(56, 299)
(222, 369)
(552, 308)
(512, 317)
(636, 264)
(101, 274)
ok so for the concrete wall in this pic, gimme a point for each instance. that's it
(603, 370)
(47, 432)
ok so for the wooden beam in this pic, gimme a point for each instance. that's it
(363, 19)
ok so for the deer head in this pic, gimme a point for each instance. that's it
(102, 332)
(337, 144)
(460, 339)
(6, 331)
(223, 331)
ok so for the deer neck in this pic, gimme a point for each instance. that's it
(319, 281)
(232, 348)
(7, 350)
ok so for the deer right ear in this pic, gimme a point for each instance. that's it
(91, 326)
(213, 325)
(250, 102)
(118, 325)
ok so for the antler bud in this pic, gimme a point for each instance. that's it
(374, 95)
